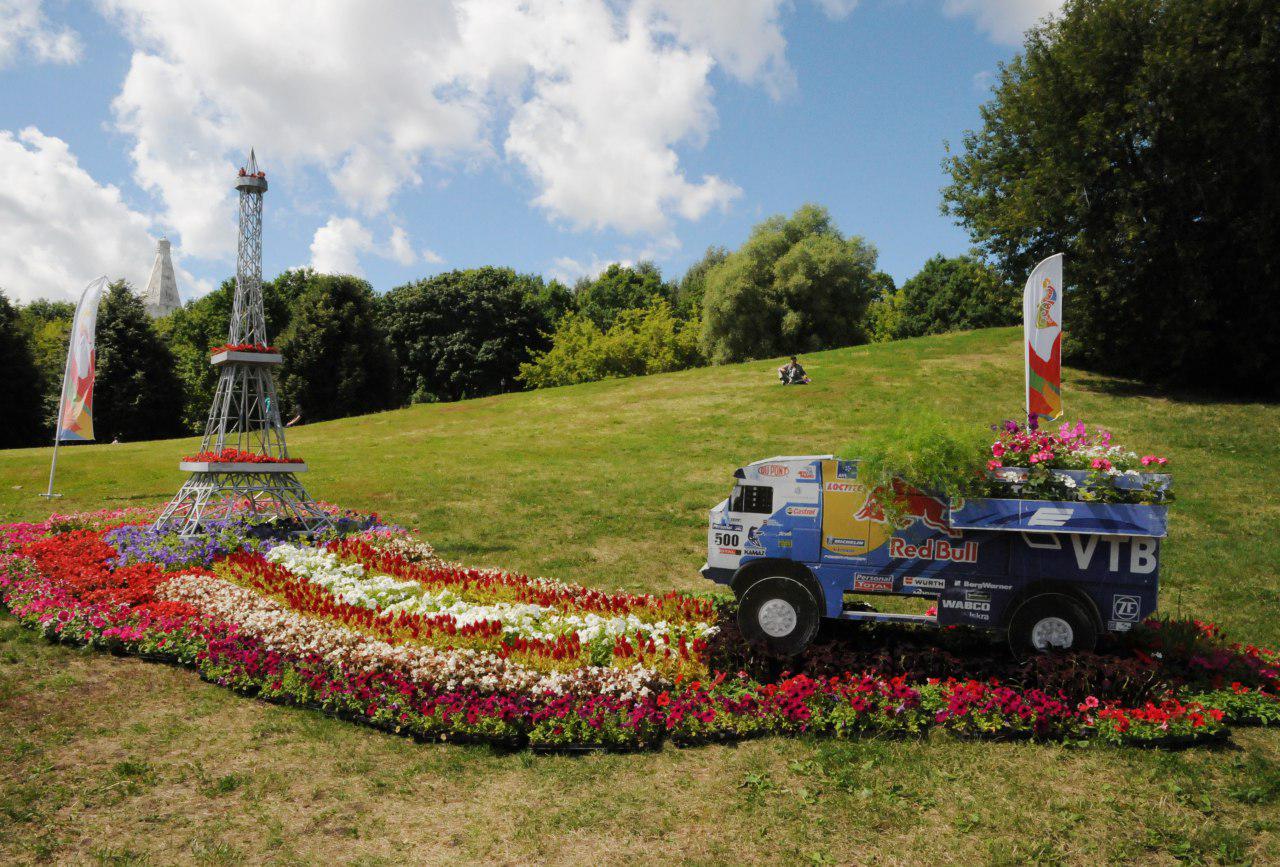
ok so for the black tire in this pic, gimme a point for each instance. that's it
(1051, 621)
(780, 612)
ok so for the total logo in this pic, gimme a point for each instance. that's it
(872, 584)
(934, 549)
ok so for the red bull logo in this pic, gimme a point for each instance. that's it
(915, 506)
(933, 549)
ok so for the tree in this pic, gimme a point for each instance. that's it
(1135, 137)
(136, 393)
(948, 294)
(337, 361)
(48, 327)
(618, 288)
(20, 386)
(465, 333)
(796, 285)
(687, 299)
(642, 341)
(192, 330)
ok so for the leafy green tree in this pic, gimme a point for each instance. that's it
(48, 327)
(619, 288)
(948, 294)
(20, 386)
(687, 299)
(337, 361)
(1138, 138)
(465, 333)
(642, 341)
(796, 285)
(192, 330)
(136, 393)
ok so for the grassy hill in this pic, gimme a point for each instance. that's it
(608, 484)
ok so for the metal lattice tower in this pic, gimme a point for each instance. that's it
(245, 414)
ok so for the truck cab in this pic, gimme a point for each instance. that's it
(799, 534)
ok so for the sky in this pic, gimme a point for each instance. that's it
(403, 138)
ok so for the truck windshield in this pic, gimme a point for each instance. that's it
(757, 499)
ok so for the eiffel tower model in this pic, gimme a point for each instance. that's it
(245, 415)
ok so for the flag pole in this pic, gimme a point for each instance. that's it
(57, 428)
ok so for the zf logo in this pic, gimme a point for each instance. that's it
(1125, 607)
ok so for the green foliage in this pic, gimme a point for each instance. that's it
(192, 330)
(48, 327)
(465, 333)
(136, 394)
(1132, 136)
(337, 361)
(619, 288)
(948, 294)
(640, 342)
(926, 450)
(796, 285)
(687, 299)
(20, 384)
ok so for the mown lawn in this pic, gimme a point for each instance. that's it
(608, 484)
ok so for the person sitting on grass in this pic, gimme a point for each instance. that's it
(792, 373)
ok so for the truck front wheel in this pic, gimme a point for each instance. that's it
(1051, 621)
(779, 612)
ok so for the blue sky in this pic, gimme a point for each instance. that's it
(554, 137)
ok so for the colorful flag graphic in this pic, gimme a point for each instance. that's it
(75, 416)
(1042, 326)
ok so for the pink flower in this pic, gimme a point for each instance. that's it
(1101, 464)
(994, 464)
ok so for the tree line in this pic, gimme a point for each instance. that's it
(797, 285)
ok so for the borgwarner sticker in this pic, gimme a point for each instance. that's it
(873, 584)
(802, 511)
(920, 582)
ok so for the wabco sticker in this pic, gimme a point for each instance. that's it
(977, 610)
(1125, 607)
(802, 511)
(773, 470)
(872, 584)
(919, 582)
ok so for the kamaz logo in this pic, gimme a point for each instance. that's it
(1050, 517)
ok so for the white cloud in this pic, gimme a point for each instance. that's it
(591, 98)
(568, 270)
(399, 249)
(23, 26)
(1004, 21)
(431, 257)
(61, 228)
(838, 9)
(337, 245)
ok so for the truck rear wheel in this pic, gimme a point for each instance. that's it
(1051, 621)
(779, 612)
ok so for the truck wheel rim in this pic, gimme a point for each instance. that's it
(1052, 632)
(777, 618)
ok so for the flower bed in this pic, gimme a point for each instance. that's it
(372, 627)
(243, 347)
(238, 456)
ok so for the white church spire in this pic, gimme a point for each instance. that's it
(161, 295)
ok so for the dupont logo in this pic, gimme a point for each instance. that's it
(1048, 516)
(773, 470)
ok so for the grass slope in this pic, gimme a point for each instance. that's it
(608, 484)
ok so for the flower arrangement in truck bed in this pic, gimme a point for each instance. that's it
(1070, 462)
(373, 627)
(238, 456)
(1032, 463)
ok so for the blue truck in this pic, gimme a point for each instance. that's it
(802, 538)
